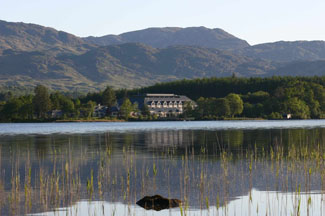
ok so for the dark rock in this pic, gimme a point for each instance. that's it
(158, 203)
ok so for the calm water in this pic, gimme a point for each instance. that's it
(214, 167)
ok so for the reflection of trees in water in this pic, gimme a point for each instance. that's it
(126, 166)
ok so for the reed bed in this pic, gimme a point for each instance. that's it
(207, 173)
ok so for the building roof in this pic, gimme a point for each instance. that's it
(160, 95)
(166, 98)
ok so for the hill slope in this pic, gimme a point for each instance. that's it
(284, 51)
(164, 37)
(31, 37)
(301, 68)
(32, 54)
(126, 65)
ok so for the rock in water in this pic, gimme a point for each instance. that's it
(158, 203)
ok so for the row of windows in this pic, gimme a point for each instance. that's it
(165, 104)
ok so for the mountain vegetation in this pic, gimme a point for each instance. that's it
(125, 65)
(285, 51)
(31, 55)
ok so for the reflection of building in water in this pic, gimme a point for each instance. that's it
(167, 138)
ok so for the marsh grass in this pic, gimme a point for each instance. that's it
(201, 174)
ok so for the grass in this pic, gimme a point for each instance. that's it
(204, 173)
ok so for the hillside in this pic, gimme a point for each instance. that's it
(284, 51)
(164, 37)
(126, 65)
(31, 54)
(301, 68)
(31, 37)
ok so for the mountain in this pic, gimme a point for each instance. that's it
(284, 51)
(31, 37)
(126, 65)
(31, 54)
(164, 37)
(301, 68)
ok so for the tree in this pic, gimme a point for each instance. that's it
(11, 109)
(275, 115)
(109, 97)
(201, 108)
(257, 97)
(222, 107)
(55, 100)
(235, 104)
(145, 110)
(188, 109)
(126, 109)
(26, 110)
(89, 108)
(135, 108)
(297, 108)
(77, 105)
(67, 105)
(41, 101)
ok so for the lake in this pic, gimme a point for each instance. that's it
(213, 167)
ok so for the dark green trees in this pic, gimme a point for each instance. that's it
(222, 107)
(109, 97)
(126, 109)
(145, 110)
(217, 98)
(62, 102)
(208, 108)
(41, 101)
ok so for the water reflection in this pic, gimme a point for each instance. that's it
(204, 169)
(255, 203)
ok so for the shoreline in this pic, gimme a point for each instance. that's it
(90, 120)
(156, 120)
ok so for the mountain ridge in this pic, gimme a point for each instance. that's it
(286, 51)
(126, 65)
(169, 36)
(32, 54)
(32, 37)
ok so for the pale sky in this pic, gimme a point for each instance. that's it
(257, 21)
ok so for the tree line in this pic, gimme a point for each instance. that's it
(40, 105)
(268, 98)
(216, 98)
